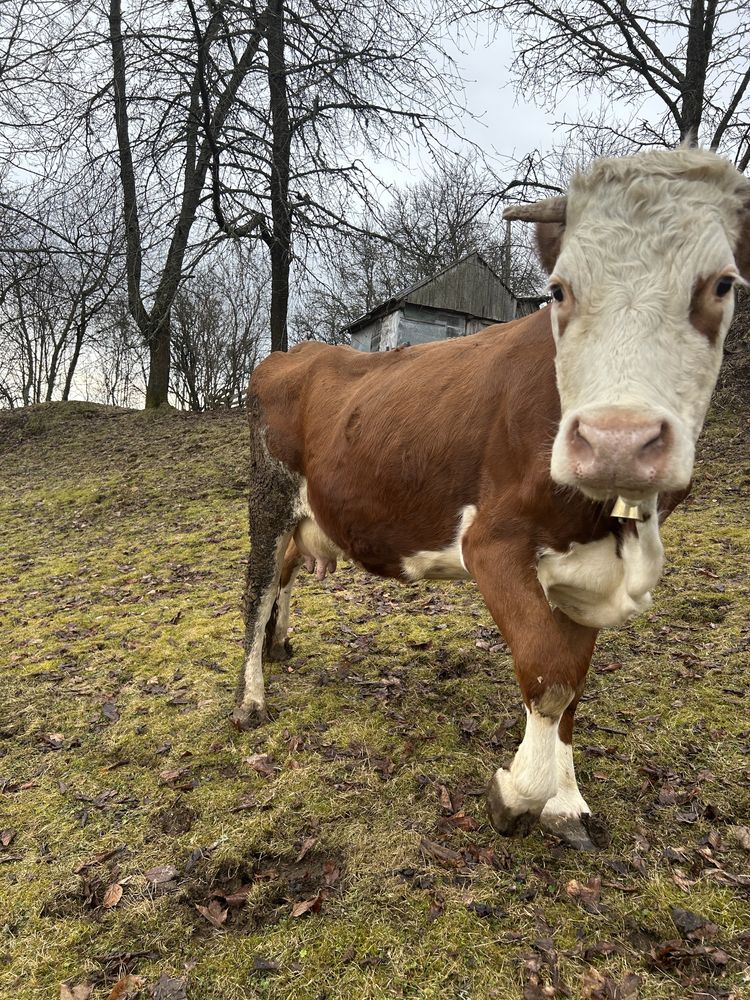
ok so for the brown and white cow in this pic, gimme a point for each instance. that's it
(499, 457)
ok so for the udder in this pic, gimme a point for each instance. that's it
(318, 552)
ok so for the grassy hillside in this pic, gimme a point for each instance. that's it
(341, 851)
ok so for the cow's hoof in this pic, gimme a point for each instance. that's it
(280, 651)
(503, 819)
(246, 717)
(582, 833)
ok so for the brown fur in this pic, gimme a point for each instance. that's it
(394, 445)
(707, 309)
(742, 250)
(548, 243)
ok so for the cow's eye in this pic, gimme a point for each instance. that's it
(724, 285)
(557, 293)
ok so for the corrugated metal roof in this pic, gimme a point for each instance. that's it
(482, 294)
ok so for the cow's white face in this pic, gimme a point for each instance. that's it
(642, 297)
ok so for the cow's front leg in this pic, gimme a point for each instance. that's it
(551, 655)
(518, 794)
(567, 814)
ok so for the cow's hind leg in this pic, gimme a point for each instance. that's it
(274, 499)
(278, 646)
(551, 655)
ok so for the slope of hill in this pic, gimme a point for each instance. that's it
(342, 850)
(734, 381)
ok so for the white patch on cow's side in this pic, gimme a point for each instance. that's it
(532, 778)
(254, 698)
(594, 586)
(567, 803)
(442, 564)
(302, 505)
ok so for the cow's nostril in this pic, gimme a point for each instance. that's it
(618, 447)
(578, 440)
(657, 439)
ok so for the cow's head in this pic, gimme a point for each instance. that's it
(643, 255)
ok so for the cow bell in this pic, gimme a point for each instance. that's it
(626, 511)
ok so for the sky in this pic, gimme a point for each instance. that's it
(506, 122)
(501, 123)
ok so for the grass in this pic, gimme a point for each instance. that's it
(122, 545)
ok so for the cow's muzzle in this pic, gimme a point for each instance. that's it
(618, 451)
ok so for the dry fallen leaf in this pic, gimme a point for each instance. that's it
(331, 873)
(307, 844)
(681, 879)
(307, 905)
(594, 984)
(110, 712)
(586, 893)
(440, 853)
(444, 798)
(215, 913)
(81, 992)
(609, 668)
(167, 988)
(161, 873)
(692, 925)
(463, 822)
(261, 964)
(6, 836)
(629, 986)
(262, 763)
(112, 896)
(128, 986)
(234, 899)
(170, 776)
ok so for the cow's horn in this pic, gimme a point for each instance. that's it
(549, 210)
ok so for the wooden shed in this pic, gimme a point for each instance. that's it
(461, 299)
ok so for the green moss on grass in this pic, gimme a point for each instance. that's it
(122, 548)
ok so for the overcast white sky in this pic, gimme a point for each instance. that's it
(507, 123)
(501, 123)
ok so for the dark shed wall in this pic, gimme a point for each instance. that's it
(419, 325)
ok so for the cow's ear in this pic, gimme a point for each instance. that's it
(742, 250)
(548, 241)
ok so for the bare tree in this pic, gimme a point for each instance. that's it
(220, 321)
(117, 362)
(426, 226)
(690, 60)
(453, 211)
(337, 80)
(182, 106)
(52, 287)
(278, 99)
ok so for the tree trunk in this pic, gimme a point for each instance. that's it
(281, 236)
(279, 296)
(157, 389)
(697, 55)
(73, 362)
(80, 332)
